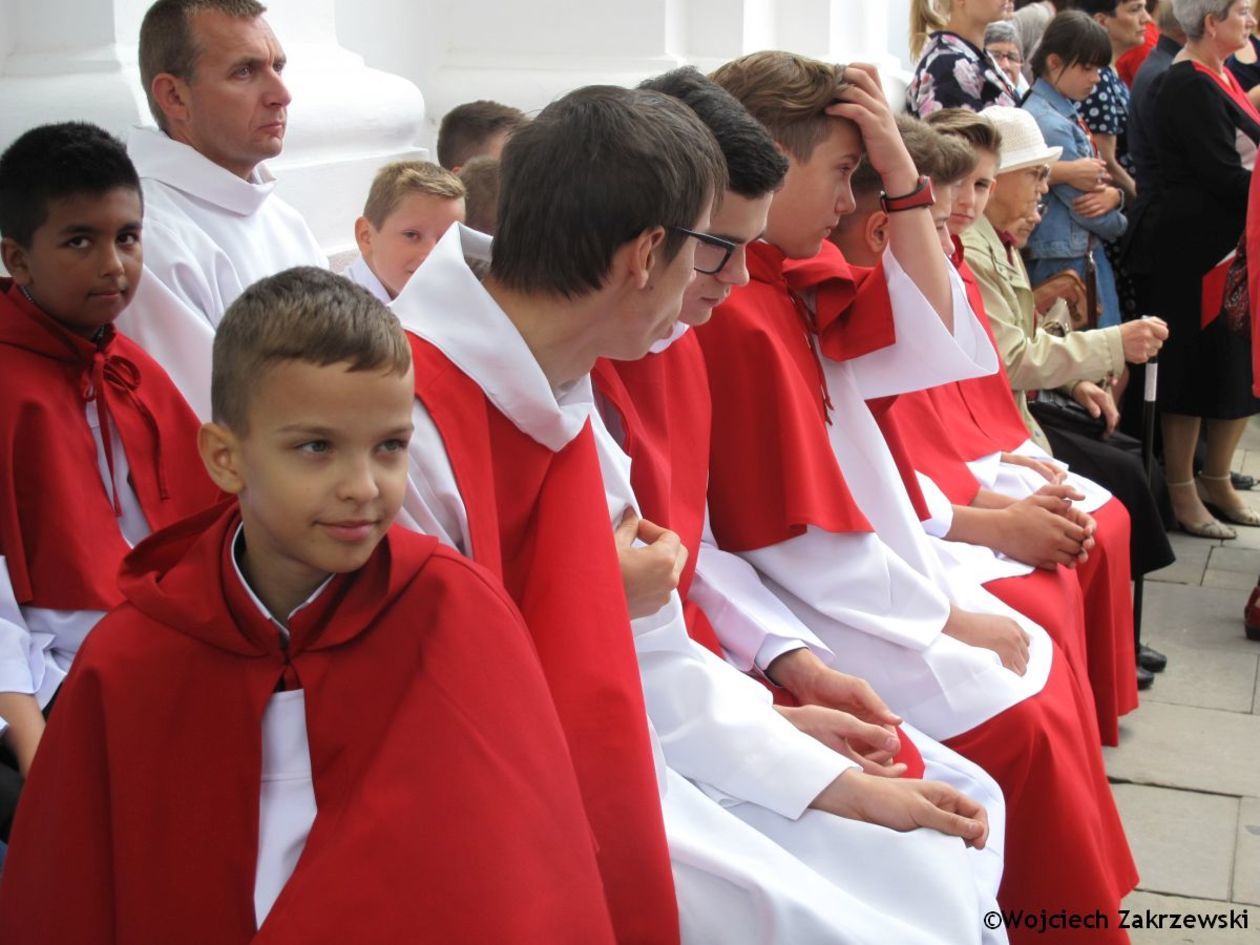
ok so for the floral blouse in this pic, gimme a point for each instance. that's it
(953, 73)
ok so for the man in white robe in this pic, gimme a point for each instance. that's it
(748, 800)
(213, 224)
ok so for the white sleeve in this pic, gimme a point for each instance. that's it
(857, 581)
(926, 353)
(753, 626)
(717, 726)
(21, 657)
(938, 505)
(432, 504)
(174, 333)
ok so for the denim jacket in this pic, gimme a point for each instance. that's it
(1062, 232)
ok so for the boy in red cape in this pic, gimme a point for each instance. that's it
(302, 725)
(1037, 552)
(806, 488)
(606, 199)
(96, 444)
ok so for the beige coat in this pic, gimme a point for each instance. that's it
(1035, 359)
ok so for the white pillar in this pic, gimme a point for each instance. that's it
(77, 59)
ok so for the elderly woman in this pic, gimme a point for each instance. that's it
(1205, 136)
(954, 71)
(1001, 41)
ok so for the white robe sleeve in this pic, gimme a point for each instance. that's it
(857, 581)
(714, 724)
(753, 626)
(938, 505)
(926, 354)
(21, 661)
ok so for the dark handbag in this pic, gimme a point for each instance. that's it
(1053, 409)
(1237, 304)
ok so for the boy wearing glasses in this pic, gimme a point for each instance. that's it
(713, 815)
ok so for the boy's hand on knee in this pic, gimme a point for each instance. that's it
(905, 805)
(871, 746)
(649, 571)
(1002, 635)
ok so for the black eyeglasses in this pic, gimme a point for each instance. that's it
(712, 254)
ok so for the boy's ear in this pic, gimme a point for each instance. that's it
(13, 254)
(641, 254)
(875, 232)
(171, 95)
(363, 231)
(220, 452)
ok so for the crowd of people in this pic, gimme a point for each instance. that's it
(699, 514)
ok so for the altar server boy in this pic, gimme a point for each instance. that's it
(304, 726)
(716, 819)
(806, 487)
(97, 447)
(410, 206)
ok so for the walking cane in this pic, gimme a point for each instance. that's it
(1148, 464)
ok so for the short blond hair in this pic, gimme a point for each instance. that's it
(395, 182)
(788, 94)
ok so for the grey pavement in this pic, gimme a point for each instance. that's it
(1186, 774)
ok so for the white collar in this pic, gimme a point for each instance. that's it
(680, 328)
(238, 543)
(161, 158)
(445, 304)
(361, 273)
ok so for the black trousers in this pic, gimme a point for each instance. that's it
(1115, 463)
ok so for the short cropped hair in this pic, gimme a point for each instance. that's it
(167, 43)
(973, 128)
(481, 201)
(301, 314)
(1192, 14)
(397, 181)
(52, 162)
(754, 166)
(594, 170)
(466, 128)
(787, 93)
(1076, 38)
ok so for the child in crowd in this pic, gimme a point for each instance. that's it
(298, 708)
(410, 205)
(481, 180)
(1076, 223)
(96, 444)
(476, 128)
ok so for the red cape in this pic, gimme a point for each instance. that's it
(437, 759)
(770, 438)
(58, 525)
(539, 521)
(663, 400)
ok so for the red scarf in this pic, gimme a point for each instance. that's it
(769, 438)
(854, 318)
(436, 757)
(539, 521)
(58, 523)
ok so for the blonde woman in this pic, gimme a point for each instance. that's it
(954, 71)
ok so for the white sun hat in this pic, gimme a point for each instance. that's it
(1022, 141)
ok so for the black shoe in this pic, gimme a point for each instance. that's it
(1145, 678)
(1150, 659)
(1241, 481)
